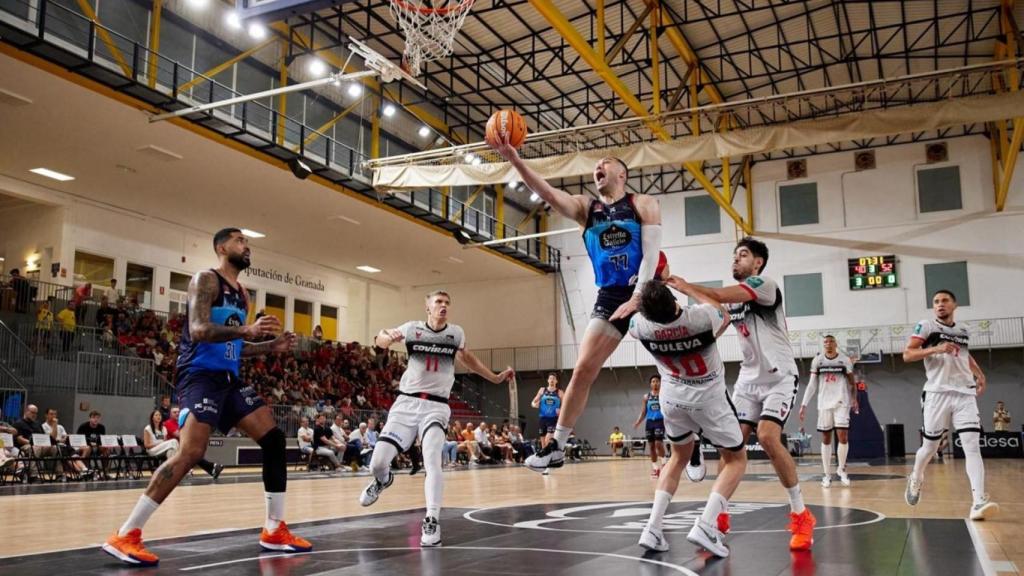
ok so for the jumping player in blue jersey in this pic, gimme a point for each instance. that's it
(213, 342)
(622, 233)
(655, 425)
(549, 401)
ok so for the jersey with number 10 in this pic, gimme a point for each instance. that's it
(432, 353)
(684, 350)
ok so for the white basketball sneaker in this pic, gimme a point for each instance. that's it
(984, 510)
(709, 538)
(551, 456)
(430, 533)
(826, 481)
(844, 478)
(698, 472)
(373, 490)
(653, 540)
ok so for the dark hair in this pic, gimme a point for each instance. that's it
(15, 271)
(150, 423)
(550, 374)
(95, 413)
(757, 248)
(827, 336)
(944, 291)
(651, 379)
(625, 169)
(657, 303)
(223, 235)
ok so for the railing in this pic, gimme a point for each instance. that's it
(891, 339)
(13, 395)
(55, 343)
(15, 356)
(287, 417)
(264, 127)
(114, 375)
(19, 294)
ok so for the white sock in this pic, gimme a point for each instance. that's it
(661, 500)
(796, 499)
(974, 464)
(715, 506)
(923, 456)
(275, 510)
(842, 450)
(144, 508)
(826, 458)
(433, 486)
(561, 435)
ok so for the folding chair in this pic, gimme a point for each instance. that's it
(42, 462)
(586, 450)
(133, 455)
(114, 462)
(8, 464)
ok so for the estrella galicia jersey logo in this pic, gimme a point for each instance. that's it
(918, 328)
(754, 281)
(615, 237)
(233, 321)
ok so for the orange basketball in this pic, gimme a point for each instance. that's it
(505, 122)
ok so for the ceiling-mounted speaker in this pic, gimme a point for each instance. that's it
(936, 152)
(864, 160)
(796, 169)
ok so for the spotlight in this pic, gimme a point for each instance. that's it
(534, 197)
(477, 161)
(470, 158)
(513, 184)
(198, 3)
(389, 109)
(299, 168)
(424, 131)
(233, 20)
(257, 31)
(317, 67)
(355, 89)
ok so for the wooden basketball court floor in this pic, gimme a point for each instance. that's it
(582, 519)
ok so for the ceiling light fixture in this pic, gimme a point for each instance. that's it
(52, 174)
(252, 233)
(389, 109)
(355, 89)
(424, 131)
(257, 31)
(534, 197)
(233, 20)
(317, 67)
(368, 269)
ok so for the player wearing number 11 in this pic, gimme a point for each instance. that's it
(422, 405)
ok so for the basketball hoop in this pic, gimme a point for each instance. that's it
(429, 27)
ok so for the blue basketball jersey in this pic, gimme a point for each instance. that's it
(654, 408)
(549, 404)
(612, 237)
(229, 309)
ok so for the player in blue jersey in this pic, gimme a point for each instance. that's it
(549, 401)
(213, 342)
(655, 425)
(622, 233)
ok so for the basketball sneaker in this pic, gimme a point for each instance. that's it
(217, 469)
(430, 533)
(653, 540)
(130, 550)
(709, 538)
(984, 510)
(282, 540)
(844, 478)
(802, 527)
(913, 493)
(374, 488)
(551, 456)
(826, 481)
(698, 472)
(723, 523)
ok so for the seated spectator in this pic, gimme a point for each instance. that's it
(106, 314)
(26, 427)
(154, 437)
(349, 449)
(360, 435)
(574, 449)
(450, 453)
(71, 458)
(617, 441)
(346, 409)
(305, 436)
(502, 447)
(522, 448)
(469, 437)
(92, 429)
(324, 442)
(372, 433)
(483, 440)
(9, 453)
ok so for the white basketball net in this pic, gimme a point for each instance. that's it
(429, 27)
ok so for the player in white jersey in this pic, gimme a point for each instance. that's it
(768, 378)
(421, 408)
(833, 371)
(693, 399)
(954, 383)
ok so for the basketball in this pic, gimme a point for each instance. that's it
(506, 122)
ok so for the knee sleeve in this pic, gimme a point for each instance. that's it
(383, 454)
(275, 463)
(971, 443)
(433, 445)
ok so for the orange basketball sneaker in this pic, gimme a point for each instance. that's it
(723, 522)
(130, 550)
(802, 527)
(281, 540)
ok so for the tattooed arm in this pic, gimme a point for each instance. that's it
(202, 293)
(284, 343)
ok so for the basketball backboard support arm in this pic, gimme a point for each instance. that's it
(376, 64)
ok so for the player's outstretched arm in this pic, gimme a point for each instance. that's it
(569, 206)
(726, 295)
(203, 291)
(470, 361)
(286, 342)
(386, 337)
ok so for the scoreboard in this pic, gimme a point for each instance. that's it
(869, 272)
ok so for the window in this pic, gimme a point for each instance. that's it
(329, 321)
(178, 294)
(97, 270)
(709, 284)
(950, 276)
(798, 204)
(803, 295)
(139, 284)
(938, 189)
(302, 319)
(275, 306)
(702, 216)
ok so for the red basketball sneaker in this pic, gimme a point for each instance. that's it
(802, 527)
